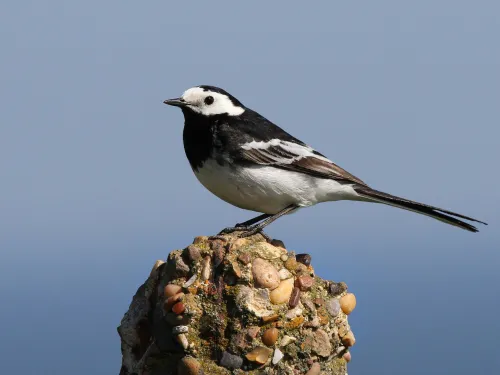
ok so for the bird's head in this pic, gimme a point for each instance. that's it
(208, 101)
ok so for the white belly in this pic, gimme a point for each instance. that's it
(267, 189)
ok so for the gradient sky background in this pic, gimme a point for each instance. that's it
(95, 185)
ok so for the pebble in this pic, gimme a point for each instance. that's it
(244, 257)
(301, 269)
(304, 259)
(171, 290)
(238, 244)
(252, 332)
(284, 274)
(190, 282)
(200, 239)
(333, 307)
(180, 329)
(270, 336)
(297, 311)
(287, 340)
(236, 270)
(319, 301)
(265, 274)
(278, 243)
(181, 268)
(319, 342)
(157, 264)
(192, 252)
(349, 339)
(270, 318)
(278, 356)
(260, 354)
(282, 293)
(294, 298)
(284, 257)
(182, 339)
(189, 366)
(171, 301)
(205, 268)
(308, 303)
(315, 369)
(304, 283)
(178, 308)
(336, 288)
(231, 361)
(291, 264)
(347, 357)
(176, 320)
(348, 303)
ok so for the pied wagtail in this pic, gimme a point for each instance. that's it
(246, 160)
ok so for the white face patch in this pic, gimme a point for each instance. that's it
(221, 104)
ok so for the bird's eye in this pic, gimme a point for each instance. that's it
(209, 100)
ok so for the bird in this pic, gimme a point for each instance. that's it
(250, 162)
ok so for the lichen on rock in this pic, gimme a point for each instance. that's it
(237, 306)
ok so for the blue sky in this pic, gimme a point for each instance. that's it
(95, 185)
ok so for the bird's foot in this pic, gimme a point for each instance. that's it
(245, 231)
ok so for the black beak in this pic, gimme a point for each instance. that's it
(177, 102)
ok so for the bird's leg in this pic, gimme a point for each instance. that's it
(259, 227)
(245, 226)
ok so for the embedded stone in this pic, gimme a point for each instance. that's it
(171, 301)
(254, 301)
(270, 336)
(270, 318)
(349, 339)
(304, 282)
(192, 252)
(284, 257)
(282, 293)
(291, 264)
(305, 259)
(231, 361)
(336, 288)
(264, 274)
(294, 298)
(244, 258)
(252, 332)
(266, 251)
(180, 329)
(319, 301)
(200, 239)
(348, 303)
(278, 356)
(238, 244)
(278, 243)
(157, 264)
(189, 366)
(287, 340)
(171, 290)
(284, 274)
(176, 320)
(190, 282)
(182, 339)
(178, 308)
(260, 355)
(319, 342)
(206, 268)
(296, 311)
(333, 307)
(315, 369)
(347, 357)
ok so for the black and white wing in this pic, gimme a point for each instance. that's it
(296, 157)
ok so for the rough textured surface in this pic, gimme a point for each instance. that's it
(203, 311)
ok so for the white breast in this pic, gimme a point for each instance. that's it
(268, 189)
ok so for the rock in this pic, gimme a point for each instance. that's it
(315, 369)
(199, 240)
(189, 366)
(178, 308)
(319, 301)
(287, 340)
(348, 303)
(305, 259)
(301, 269)
(238, 244)
(270, 318)
(304, 283)
(347, 357)
(284, 258)
(291, 264)
(282, 293)
(284, 274)
(231, 361)
(171, 290)
(318, 342)
(270, 336)
(252, 332)
(244, 258)
(206, 268)
(181, 269)
(157, 264)
(260, 355)
(336, 289)
(192, 252)
(278, 356)
(294, 298)
(182, 339)
(293, 313)
(266, 251)
(333, 307)
(176, 320)
(278, 243)
(180, 329)
(264, 274)
(190, 282)
(254, 301)
(349, 339)
(171, 301)
(308, 303)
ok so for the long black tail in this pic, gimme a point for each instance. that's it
(436, 213)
